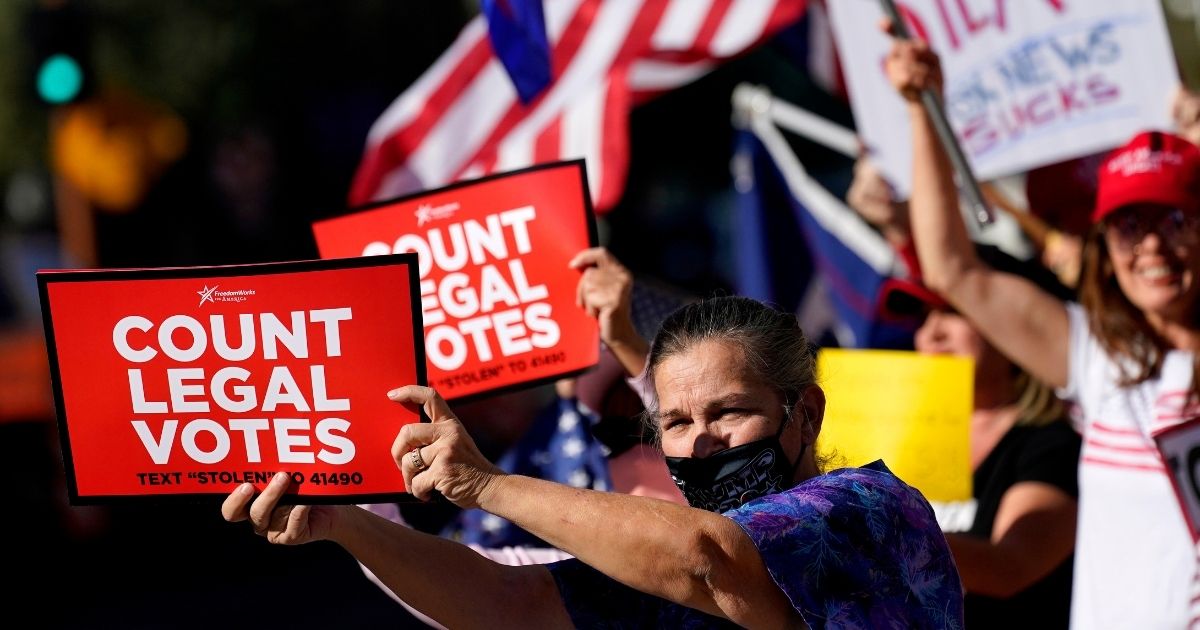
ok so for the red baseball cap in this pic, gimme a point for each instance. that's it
(1154, 167)
(901, 299)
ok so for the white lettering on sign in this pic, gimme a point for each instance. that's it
(209, 442)
(498, 310)
(273, 332)
(184, 391)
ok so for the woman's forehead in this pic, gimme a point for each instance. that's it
(703, 359)
(709, 370)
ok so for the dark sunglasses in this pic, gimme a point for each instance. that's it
(1175, 226)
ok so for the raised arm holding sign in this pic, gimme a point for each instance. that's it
(937, 115)
(1127, 355)
(1028, 83)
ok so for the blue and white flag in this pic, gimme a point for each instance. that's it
(517, 30)
(799, 247)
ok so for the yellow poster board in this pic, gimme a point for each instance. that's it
(912, 411)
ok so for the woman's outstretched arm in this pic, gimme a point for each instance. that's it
(447, 581)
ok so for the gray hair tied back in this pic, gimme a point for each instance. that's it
(773, 344)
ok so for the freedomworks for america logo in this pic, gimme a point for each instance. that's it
(427, 212)
(216, 295)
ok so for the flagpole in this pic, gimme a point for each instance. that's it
(937, 114)
(758, 100)
(754, 110)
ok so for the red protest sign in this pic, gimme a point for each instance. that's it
(176, 383)
(497, 297)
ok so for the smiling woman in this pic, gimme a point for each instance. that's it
(769, 541)
(1127, 356)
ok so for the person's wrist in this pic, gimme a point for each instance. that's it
(342, 523)
(621, 333)
(492, 490)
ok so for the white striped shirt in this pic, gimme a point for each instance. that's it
(1136, 565)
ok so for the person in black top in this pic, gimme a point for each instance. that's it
(1013, 542)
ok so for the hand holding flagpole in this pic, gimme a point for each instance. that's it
(937, 114)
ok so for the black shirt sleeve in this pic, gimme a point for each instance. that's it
(1051, 455)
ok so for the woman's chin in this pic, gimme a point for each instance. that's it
(1169, 303)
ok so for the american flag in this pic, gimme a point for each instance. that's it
(463, 118)
(821, 56)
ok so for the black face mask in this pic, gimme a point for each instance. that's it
(734, 476)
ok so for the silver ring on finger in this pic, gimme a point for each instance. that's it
(418, 462)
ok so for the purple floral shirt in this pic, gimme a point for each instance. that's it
(855, 548)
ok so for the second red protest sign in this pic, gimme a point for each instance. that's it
(497, 296)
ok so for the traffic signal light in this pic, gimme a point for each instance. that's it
(61, 38)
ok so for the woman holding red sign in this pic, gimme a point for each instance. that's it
(769, 540)
(1126, 355)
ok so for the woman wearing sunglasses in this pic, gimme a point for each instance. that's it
(1126, 354)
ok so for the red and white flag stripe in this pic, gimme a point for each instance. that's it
(463, 119)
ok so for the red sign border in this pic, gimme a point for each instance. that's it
(593, 241)
(47, 276)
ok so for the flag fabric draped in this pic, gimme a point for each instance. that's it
(822, 61)
(517, 29)
(828, 266)
(810, 47)
(464, 118)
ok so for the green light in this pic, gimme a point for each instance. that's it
(59, 79)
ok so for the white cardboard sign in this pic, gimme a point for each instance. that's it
(1028, 82)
